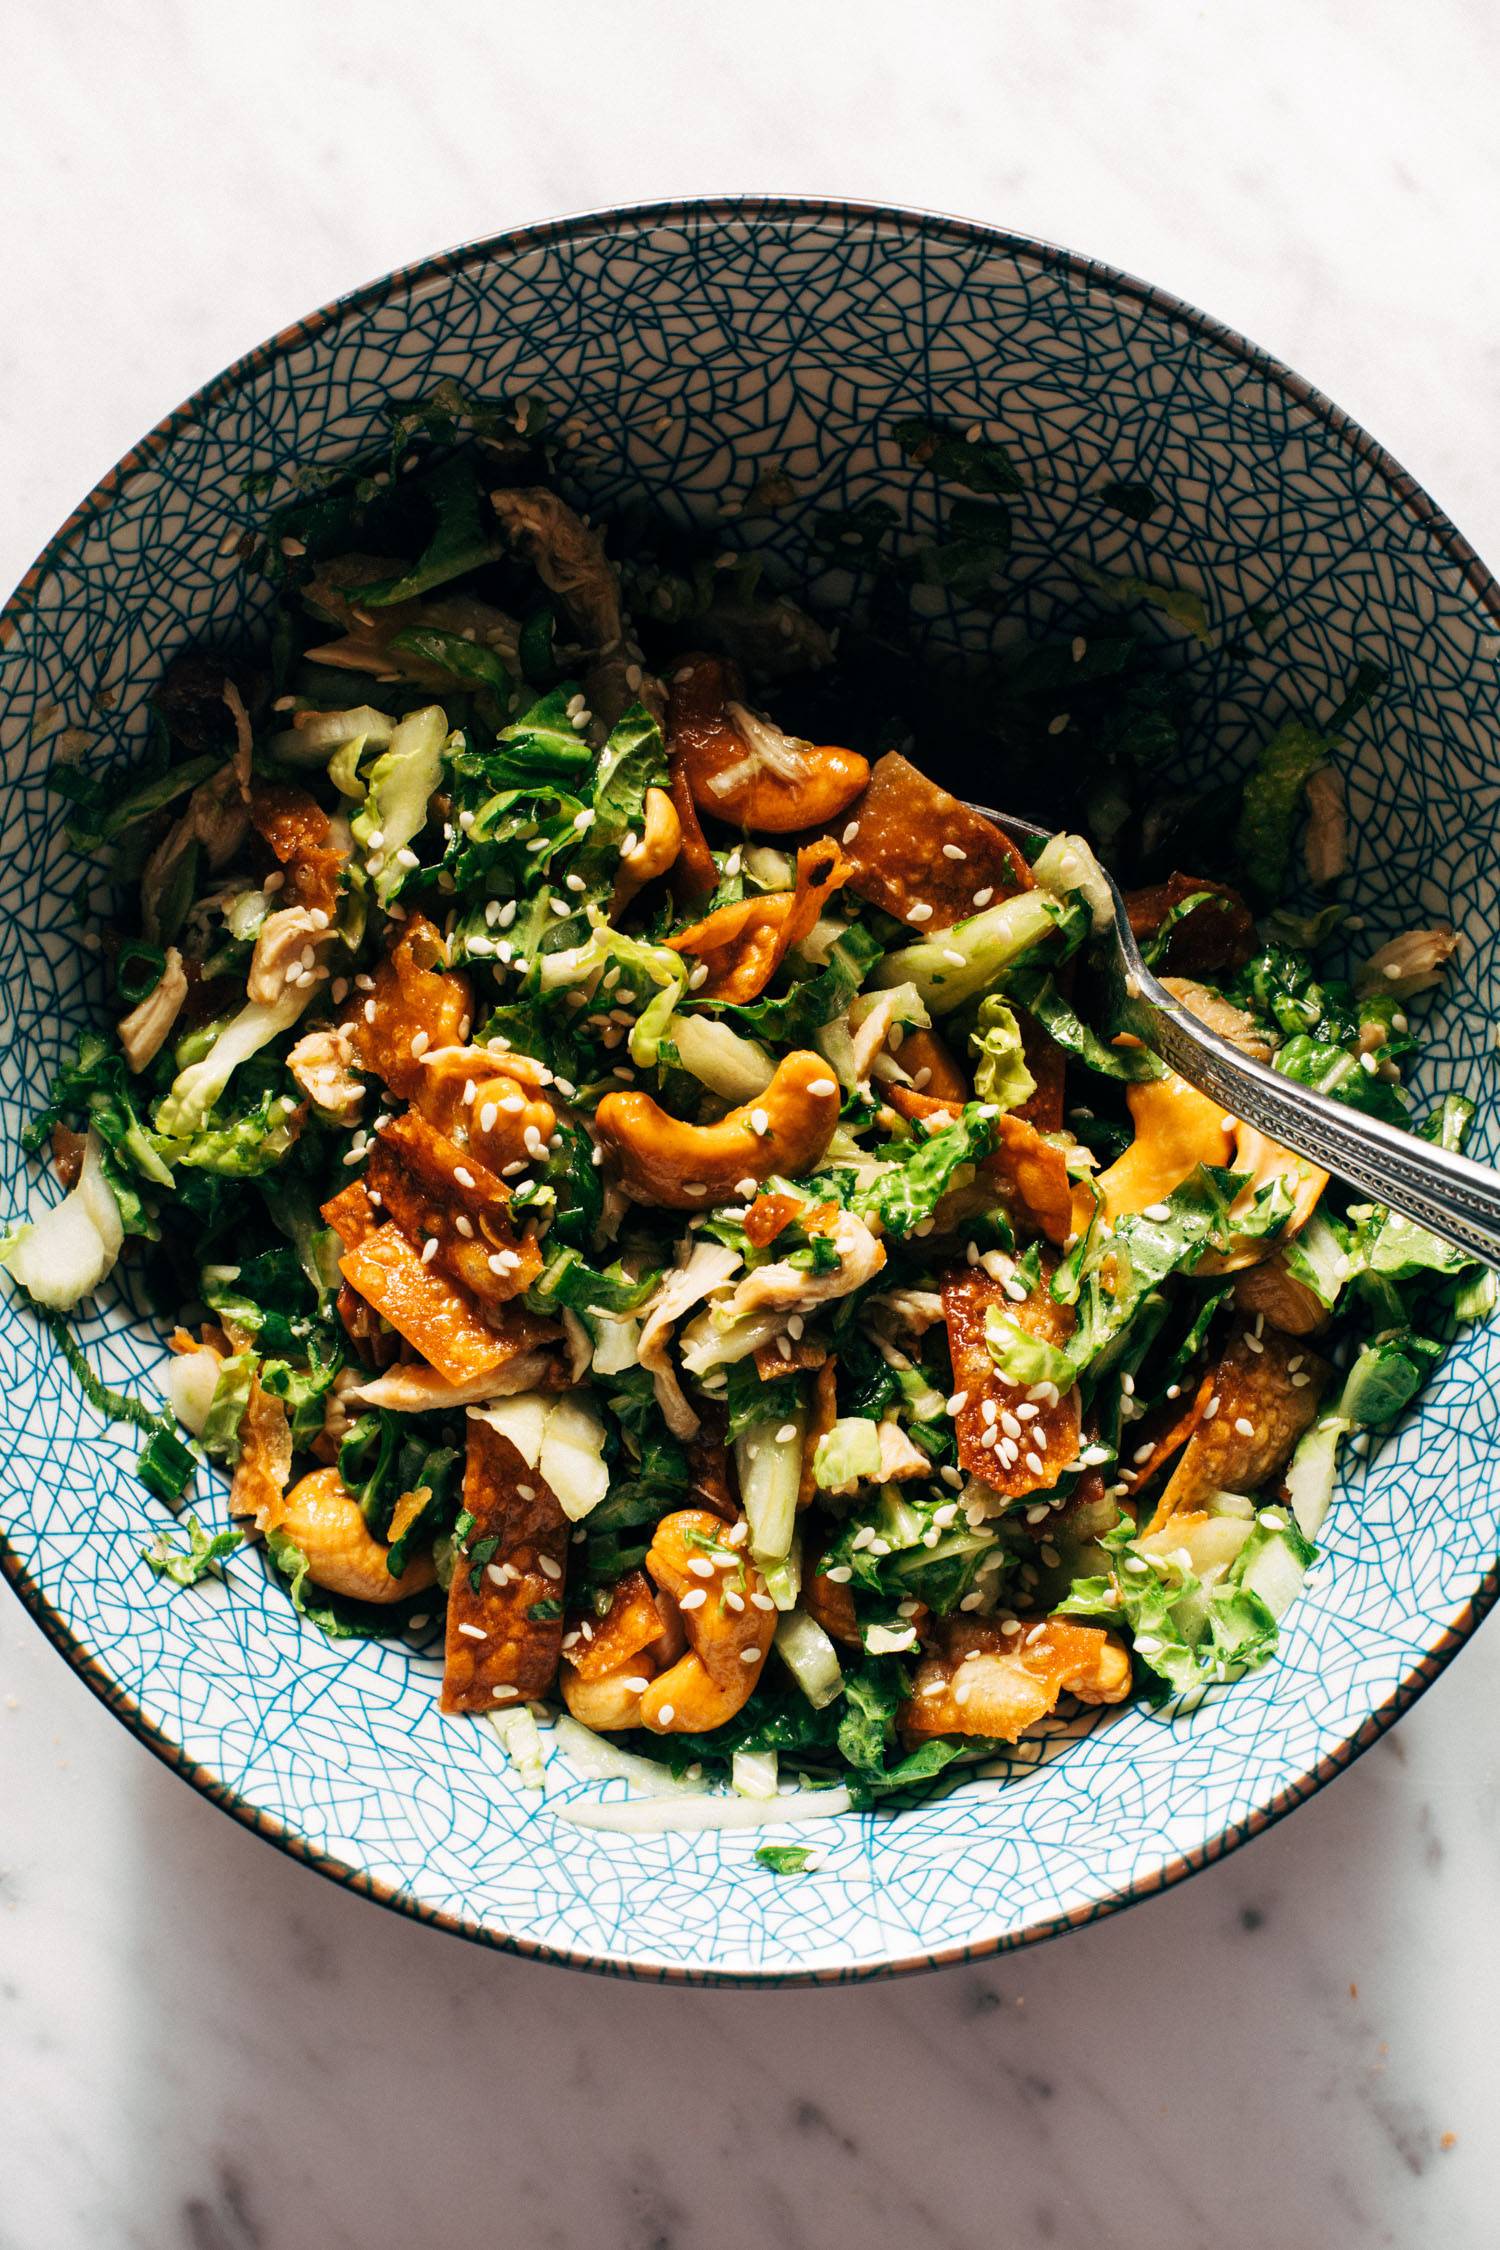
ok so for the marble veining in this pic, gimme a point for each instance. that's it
(200, 2042)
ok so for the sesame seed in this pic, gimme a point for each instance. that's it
(759, 1122)
(1143, 1452)
(919, 913)
(1229, 1124)
(954, 851)
(958, 1402)
(983, 897)
(850, 832)
(474, 1632)
(1059, 725)
(1035, 1464)
(1244, 1426)
(700, 1566)
(764, 1601)
(749, 1655)
(420, 1042)
(988, 1410)
(786, 1433)
(549, 1568)
(666, 1714)
(1254, 1344)
(504, 1693)
(429, 1250)
(369, 1011)
(822, 1086)
(694, 1598)
(1300, 1382)
(463, 1175)
(951, 953)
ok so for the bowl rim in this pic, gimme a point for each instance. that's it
(623, 219)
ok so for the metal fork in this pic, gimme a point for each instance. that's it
(1449, 1194)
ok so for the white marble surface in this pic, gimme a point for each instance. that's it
(203, 2044)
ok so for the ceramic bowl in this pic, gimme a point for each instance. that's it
(690, 347)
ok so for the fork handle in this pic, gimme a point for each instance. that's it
(1447, 1193)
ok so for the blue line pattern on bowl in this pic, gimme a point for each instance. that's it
(691, 347)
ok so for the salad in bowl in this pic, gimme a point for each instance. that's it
(644, 1181)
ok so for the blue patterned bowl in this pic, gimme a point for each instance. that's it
(696, 345)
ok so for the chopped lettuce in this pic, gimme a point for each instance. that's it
(914, 1176)
(1000, 1072)
(1021, 1357)
(397, 795)
(848, 1454)
(1036, 990)
(963, 962)
(203, 1556)
(1272, 804)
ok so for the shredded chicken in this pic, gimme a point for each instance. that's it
(216, 816)
(1413, 962)
(288, 950)
(911, 1310)
(1222, 1016)
(144, 1029)
(1325, 843)
(570, 560)
(414, 1388)
(322, 1064)
(786, 1288)
(708, 1268)
(899, 1458)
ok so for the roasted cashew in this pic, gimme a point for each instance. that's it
(486, 1104)
(652, 855)
(727, 1615)
(609, 1662)
(682, 1167)
(741, 768)
(322, 1518)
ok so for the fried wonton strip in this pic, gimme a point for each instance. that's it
(497, 1649)
(436, 1317)
(1218, 934)
(351, 1214)
(297, 829)
(932, 1069)
(1030, 1175)
(797, 1358)
(1010, 1464)
(708, 1462)
(831, 1605)
(416, 1004)
(1176, 1129)
(903, 851)
(1272, 1290)
(1263, 1394)
(982, 1680)
(825, 1412)
(435, 1191)
(768, 1214)
(1164, 1432)
(745, 943)
(597, 1645)
(416, 1388)
(1048, 1065)
(265, 1462)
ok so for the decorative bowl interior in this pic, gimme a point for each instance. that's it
(696, 346)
